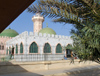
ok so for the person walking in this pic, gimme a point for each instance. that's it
(72, 59)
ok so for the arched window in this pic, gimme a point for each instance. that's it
(68, 50)
(33, 48)
(16, 49)
(47, 48)
(0, 47)
(58, 49)
(7, 51)
(21, 48)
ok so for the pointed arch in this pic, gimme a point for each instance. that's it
(0, 47)
(58, 48)
(7, 51)
(33, 48)
(68, 50)
(69, 46)
(47, 48)
(16, 49)
(21, 48)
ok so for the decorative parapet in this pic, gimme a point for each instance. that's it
(31, 34)
(25, 34)
(49, 36)
(44, 35)
(52, 35)
(63, 36)
(22, 35)
(40, 34)
(60, 36)
(35, 34)
(5, 37)
(56, 36)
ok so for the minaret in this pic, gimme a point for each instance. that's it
(38, 20)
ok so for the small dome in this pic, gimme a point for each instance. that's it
(9, 33)
(47, 31)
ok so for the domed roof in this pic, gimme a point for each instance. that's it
(47, 31)
(9, 33)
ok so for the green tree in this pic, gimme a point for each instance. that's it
(87, 43)
(85, 17)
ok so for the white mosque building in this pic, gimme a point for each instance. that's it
(42, 44)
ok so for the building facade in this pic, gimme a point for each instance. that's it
(4, 37)
(41, 44)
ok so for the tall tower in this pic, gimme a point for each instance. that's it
(38, 20)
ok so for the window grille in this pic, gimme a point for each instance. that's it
(16, 49)
(58, 49)
(47, 48)
(21, 48)
(33, 48)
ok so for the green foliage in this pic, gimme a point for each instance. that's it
(69, 47)
(84, 14)
(68, 11)
(87, 42)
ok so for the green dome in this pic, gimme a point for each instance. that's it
(47, 31)
(9, 33)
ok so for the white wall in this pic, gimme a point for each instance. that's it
(40, 39)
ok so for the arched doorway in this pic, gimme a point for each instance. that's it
(69, 51)
(12, 51)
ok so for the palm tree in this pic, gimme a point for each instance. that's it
(84, 14)
(87, 43)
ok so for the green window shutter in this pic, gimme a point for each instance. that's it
(0, 47)
(16, 49)
(58, 49)
(9, 50)
(21, 48)
(47, 48)
(33, 48)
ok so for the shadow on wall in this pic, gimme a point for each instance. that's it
(8, 67)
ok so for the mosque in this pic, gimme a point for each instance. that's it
(41, 44)
(5, 36)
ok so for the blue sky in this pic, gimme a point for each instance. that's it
(24, 23)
